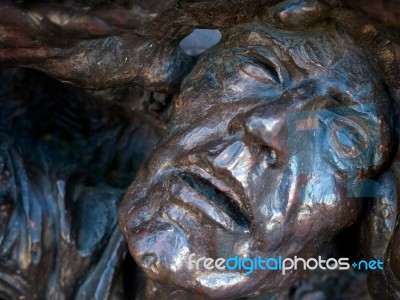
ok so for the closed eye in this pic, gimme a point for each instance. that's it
(260, 70)
(262, 64)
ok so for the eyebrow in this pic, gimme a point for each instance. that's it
(266, 36)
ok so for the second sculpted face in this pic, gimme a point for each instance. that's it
(271, 134)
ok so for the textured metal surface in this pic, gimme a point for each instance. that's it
(230, 137)
(279, 140)
(62, 177)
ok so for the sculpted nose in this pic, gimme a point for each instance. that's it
(261, 127)
(256, 138)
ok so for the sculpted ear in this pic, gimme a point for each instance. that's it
(381, 236)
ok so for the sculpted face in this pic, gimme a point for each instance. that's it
(268, 132)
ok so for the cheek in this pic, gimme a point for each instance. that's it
(325, 208)
(306, 208)
(323, 219)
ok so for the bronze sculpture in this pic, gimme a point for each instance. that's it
(254, 161)
(230, 181)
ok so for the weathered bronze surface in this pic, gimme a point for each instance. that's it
(281, 140)
(62, 178)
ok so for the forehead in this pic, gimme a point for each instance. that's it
(318, 66)
(325, 54)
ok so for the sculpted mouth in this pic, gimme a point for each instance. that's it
(213, 202)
